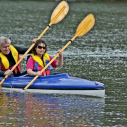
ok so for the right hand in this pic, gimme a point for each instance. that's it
(34, 40)
(8, 72)
(38, 73)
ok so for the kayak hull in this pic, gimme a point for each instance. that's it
(60, 83)
(94, 93)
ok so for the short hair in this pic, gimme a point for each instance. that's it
(36, 44)
(4, 40)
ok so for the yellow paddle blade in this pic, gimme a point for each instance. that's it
(86, 25)
(61, 6)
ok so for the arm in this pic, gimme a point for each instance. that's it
(60, 60)
(3, 73)
(32, 73)
(22, 50)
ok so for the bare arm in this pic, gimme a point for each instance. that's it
(60, 60)
(32, 73)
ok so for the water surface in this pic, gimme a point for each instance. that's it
(100, 55)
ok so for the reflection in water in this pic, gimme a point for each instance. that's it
(29, 109)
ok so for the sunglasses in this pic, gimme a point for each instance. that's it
(40, 47)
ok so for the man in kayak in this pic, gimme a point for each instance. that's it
(9, 56)
(39, 59)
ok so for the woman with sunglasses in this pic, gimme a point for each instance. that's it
(39, 59)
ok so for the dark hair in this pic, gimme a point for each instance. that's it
(36, 44)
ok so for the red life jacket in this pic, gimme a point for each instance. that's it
(39, 64)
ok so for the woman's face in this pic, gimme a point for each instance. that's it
(40, 49)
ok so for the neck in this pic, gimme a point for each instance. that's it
(40, 56)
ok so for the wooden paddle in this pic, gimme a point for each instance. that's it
(58, 14)
(85, 26)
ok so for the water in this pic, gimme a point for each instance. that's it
(100, 55)
(48, 110)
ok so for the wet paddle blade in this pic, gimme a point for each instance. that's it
(60, 6)
(86, 25)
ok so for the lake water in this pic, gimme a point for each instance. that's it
(100, 55)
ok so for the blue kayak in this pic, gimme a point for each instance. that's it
(59, 83)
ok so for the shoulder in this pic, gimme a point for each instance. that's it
(30, 58)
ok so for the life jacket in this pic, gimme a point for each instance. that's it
(5, 63)
(39, 64)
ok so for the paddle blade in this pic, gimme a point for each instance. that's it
(86, 25)
(61, 5)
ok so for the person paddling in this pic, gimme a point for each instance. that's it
(39, 59)
(9, 56)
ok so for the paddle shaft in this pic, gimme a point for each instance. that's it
(58, 14)
(34, 43)
(58, 53)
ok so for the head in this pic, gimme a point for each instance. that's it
(5, 45)
(39, 48)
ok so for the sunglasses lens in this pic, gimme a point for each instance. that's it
(40, 47)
